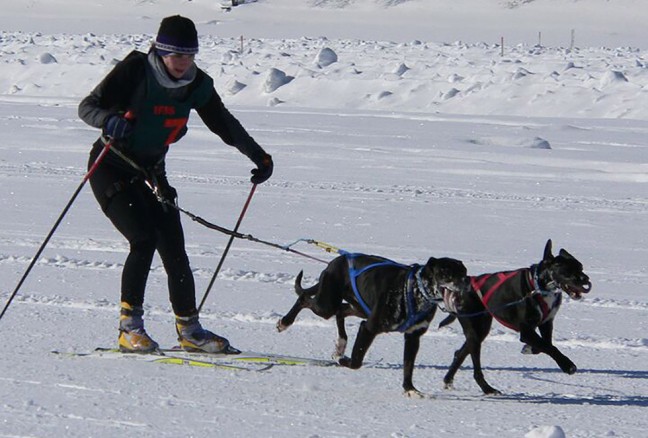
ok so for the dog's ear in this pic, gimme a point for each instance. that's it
(547, 251)
(565, 254)
(431, 262)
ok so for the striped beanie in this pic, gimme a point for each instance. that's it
(177, 34)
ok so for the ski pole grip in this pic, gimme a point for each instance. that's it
(128, 116)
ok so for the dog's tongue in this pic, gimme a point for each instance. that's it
(578, 291)
(575, 295)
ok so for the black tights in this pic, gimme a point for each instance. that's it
(133, 209)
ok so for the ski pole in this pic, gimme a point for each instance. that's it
(129, 116)
(227, 247)
(92, 169)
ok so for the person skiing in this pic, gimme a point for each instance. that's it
(142, 106)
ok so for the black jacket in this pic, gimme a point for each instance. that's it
(125, 85)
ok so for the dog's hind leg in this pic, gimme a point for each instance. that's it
(478, 329)
(478, 374)
(289, 318)
(304, 296)
(475, 329)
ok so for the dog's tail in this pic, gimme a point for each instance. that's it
(449, 320)
(299, 290)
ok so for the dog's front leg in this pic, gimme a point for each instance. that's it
(412, 343)
(362, 343)
(530, 337)
(342, 340)
(546, 333)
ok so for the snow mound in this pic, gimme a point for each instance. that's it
(326, 57)
(235, 86)
(47, 58)
(539, 143)
(450, 94)
(612, 77)
(275, 78)
(546, 432)
(401, 69)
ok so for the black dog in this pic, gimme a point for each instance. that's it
(522, 300)
(388, 295)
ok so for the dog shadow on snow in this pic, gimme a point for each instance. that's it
(616, 399)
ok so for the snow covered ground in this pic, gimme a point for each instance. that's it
(420, 140)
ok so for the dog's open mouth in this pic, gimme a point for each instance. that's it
(449, 287)
(576, 292)
(450, 297)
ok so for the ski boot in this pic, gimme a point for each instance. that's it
(132, 336)
(193, 337)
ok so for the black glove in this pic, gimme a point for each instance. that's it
(164, 191)
(263, 170)
(117, 127)
(167, 194)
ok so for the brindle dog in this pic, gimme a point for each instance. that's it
(523, 300)
(389, 296)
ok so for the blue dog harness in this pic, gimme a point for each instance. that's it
(413, 315)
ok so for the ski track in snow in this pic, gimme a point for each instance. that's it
(62, 262)
(278, 278)
(498, 333)
(425, 194)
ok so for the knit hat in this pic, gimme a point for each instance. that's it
(177, 34)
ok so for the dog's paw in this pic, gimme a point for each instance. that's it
(527, 349)
(281, 326)
(344, 361)
(493, 391)
(567, 366)
(570, 369)
(413, 393)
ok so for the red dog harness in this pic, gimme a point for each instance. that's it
(548, 302)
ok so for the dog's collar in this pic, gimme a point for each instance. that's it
(413, 314)
(425, 291)
(534, 281)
